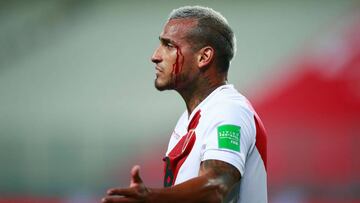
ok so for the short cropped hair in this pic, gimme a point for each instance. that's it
(212, 30)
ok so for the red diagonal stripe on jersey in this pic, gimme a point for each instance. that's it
(261, 139)
(183, 148)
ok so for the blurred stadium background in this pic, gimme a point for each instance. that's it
(78, 107)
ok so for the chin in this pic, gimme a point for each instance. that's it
(162, 87)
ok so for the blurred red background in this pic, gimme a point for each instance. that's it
(312, 115)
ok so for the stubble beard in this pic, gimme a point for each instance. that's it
(162, 87)
(159, 87)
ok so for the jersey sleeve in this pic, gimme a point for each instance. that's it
(230, 135)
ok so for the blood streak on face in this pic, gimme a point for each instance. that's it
(177, 66)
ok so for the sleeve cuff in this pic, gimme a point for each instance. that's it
(235, 159)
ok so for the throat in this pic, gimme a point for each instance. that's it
(194, 98)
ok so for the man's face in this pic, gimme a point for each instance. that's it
(174, 58)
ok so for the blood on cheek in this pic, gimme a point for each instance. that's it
(177, 66)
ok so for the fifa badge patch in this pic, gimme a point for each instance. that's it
(229, 137)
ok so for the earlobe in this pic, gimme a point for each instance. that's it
(206, 56)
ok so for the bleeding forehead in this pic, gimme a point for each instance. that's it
(178, 28)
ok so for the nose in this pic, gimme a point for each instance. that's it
(156, 57)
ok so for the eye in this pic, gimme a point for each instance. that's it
(169, 45)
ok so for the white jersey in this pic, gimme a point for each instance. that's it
(223, 127)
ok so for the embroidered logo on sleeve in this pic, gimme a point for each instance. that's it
(229, 137)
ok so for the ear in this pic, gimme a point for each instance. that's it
(206, 56)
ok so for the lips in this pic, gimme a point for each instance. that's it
(158, 69)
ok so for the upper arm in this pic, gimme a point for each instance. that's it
(227, 142)
(219, 172)
(229, 138)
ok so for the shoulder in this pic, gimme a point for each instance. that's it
(230, 105)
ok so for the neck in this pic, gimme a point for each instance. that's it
(194, 95)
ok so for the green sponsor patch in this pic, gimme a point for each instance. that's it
(229, 137)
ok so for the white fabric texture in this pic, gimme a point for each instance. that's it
(224, 106)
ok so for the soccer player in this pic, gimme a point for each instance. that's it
(217, 151)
